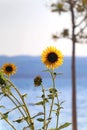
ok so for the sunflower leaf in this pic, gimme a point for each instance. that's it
(39, 103)
(46, 70)
(59, 73)
(2, 106)
(4, 116)
(38, 114)
(20, 120)
(40, 119)
(54, 129)
(64, 125)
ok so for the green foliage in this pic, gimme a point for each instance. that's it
(58, 7)
(2, 106)
(48, 101)
(20, 120)
(77, 33)
(65, 33)
(79, 9)
(38, 114)
(5, 116)
(2, 79)
(39, 103)
(24, 95)
(40, 119)
(64, 125)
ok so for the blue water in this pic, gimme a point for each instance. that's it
(64, 86)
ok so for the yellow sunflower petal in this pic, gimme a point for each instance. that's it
(52, 57)
(9, 69)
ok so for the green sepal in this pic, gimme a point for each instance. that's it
(52, 90)
(50, 96)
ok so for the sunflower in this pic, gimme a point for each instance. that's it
(52, 57)
(9, 69)
(37, 81)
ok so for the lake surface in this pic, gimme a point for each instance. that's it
(26, 85)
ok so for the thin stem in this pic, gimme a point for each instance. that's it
(57, 122)
(15, 104)
(82, 29)
(19, 104)
(7, 121)
(57, 114)
(81, 21)
(53, 81)
(51, 106)
(44, 107)
(52, 76)
(20, 109)
(27, 111)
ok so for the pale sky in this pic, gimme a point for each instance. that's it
(26, 27)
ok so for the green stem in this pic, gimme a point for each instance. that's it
(17, 106)
(20, 109)
(44, 107)
(52, 76)
(52, 103)
(53, 81)
(51, 107)
(7, 121)
(57, 122)
(27, 111)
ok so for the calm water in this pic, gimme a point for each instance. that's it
(63, 85)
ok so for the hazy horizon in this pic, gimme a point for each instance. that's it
(27, 55)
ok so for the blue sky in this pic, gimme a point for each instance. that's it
(26, 27)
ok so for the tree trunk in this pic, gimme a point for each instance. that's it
(74, 114)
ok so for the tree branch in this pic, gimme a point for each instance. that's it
(81, 21)
(82, 29)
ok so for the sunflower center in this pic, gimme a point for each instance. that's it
(52, 57)
(8, 68)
